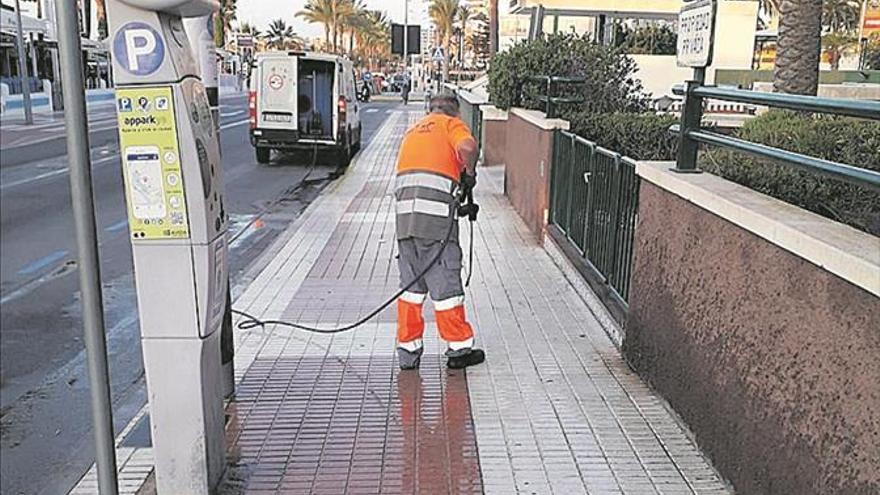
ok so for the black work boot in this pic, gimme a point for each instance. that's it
(459, 361)
(409, 360)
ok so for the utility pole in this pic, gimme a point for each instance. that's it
(75, 118)
(22, 68)
(405, 35)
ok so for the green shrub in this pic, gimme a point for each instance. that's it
(845, 140)
(642, 136)
(650, 40)
(610, 74)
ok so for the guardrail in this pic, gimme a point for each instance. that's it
(552, 85)
(691, 134)
(594, 196)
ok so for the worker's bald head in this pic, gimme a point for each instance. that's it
(444, 104)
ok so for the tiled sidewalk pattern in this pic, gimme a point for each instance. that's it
(553, 410)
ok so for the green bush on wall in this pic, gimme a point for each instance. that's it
(845, 140)
(611, 85)
(642, 136)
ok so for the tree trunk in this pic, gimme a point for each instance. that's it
(493, 27)
(327, 36)
(446, 57)
(798, 47)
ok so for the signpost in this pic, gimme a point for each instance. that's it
(696, 29)
(696, 35)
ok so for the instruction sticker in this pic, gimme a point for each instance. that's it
(154, 189)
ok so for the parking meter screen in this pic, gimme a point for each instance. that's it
(145, 177)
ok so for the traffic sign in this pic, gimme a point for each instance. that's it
(139, 48)
(696, 32)
(438, 56)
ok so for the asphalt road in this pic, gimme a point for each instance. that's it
(45, 419)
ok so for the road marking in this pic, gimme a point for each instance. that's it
(229, 114)
(41, 263)
(117, 226)
(47, 175)
(53, 138)
(233, 124)
(371, 110)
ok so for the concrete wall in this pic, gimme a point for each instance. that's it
(760, 323)
(494, 135)
(528, 158)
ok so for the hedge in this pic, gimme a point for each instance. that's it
(845, 140)
(642, 136)
(611, 85)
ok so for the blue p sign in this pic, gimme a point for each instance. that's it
(138, 48)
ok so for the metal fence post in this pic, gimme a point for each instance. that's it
(82, 199)
(691, 115)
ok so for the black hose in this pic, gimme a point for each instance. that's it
(254, 322)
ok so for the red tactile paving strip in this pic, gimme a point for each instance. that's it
(321, 425)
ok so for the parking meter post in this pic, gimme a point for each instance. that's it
(174, 193)
(83, 203)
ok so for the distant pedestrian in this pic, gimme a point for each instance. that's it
(404, 90)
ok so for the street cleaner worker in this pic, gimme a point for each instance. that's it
(437, 160)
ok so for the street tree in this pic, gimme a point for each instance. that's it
(443, 13)
(798, 47)
(280, 36)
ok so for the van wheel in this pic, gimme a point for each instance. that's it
(263, 154)
(343, 153)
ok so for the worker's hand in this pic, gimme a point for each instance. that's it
(468, 181)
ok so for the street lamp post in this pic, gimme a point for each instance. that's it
(22, 67)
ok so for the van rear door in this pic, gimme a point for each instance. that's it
(276, 96)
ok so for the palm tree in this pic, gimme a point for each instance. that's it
(464, 15)
(841, 15)
(320, 12)
(354, 21)
(101, 14)
(443, 13)
(493, 27)
(223, 20)
(280, 36)
(250, 29)
(798, 47)
(375, 37)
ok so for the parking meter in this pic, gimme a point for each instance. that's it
(174, 194)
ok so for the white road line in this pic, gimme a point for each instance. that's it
(371, 110)
(53, 138)
(233, 124)
(53, 173)
(229, 114)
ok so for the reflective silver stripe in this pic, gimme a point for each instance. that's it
(431, 181)
(421, 205)
(447, 304)
(413, 297)
(413, 345)
(464, 344)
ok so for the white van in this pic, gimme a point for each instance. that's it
(299, 100)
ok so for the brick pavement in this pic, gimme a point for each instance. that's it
(553, 410)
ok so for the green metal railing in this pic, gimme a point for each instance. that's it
(593, 202)
(550, 89)
(691, 134)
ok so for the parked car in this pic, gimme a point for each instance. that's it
(300, 100)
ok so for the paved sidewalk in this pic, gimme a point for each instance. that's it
(553, 410)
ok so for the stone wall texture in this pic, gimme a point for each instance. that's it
(773, 362)
(526, 176)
